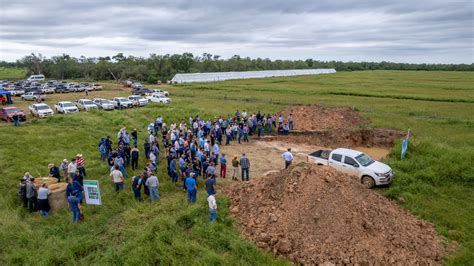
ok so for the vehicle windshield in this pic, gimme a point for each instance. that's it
(42, 107)
(88, 102)
(68, 105)
(106, 102)
(364, 159)
(13, 110)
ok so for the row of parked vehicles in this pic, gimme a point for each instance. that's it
(33, 88)
(42, 110)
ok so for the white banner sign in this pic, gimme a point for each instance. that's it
(92, 192)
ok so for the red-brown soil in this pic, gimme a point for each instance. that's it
(315, 215)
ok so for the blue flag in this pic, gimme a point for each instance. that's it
(405, 145)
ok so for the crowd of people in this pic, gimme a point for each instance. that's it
(192, 150)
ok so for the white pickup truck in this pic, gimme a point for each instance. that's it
(370, 172)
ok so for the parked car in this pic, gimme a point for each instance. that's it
(122, 102)
(138, 100)
(36, 78)
(33, 96)
(137, 85)
(66, 107)
(371, 173)
(7, 113)
(61, 88)
(104, 104)
(86, 104)
(47, 89)
(96, 87)
(165, 93)
(17, 92)
(142, 91)
(40, 110)
(158, 98)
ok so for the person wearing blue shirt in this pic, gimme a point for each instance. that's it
(191, 186)
(75, 206)
(173, 172)
(74, 186)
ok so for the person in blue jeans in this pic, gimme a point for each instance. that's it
(191, 187)
(74, 206)
(211, 200)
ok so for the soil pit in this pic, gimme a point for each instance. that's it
(315, 215)
(315, 117)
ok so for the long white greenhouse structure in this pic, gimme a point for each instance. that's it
(220, 76)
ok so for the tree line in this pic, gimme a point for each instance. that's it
(163, 67)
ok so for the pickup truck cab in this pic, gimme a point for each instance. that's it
(40, 110)
(7, 113)
(66, 107)
(122, 102)
(86, 104)
(371, 173)
(138, 100)
(104, 104)
(158, 98)
(32, 96)
(165, 93)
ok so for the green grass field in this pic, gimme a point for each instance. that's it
(435, 180)
(12, 73)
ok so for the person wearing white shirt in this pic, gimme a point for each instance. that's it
(216, 152)
(117, 178)
(288, 157)
(211, 200)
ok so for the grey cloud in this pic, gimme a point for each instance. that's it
(436, 31)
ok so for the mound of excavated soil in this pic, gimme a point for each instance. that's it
(314, 117)
(316, 215)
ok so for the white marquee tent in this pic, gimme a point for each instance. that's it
(220, 76)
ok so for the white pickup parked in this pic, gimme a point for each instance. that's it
(371, 173)
(66, 107)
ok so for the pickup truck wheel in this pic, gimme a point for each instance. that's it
(368, 182)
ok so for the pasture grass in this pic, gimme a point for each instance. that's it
(435, 181)
(12, 73)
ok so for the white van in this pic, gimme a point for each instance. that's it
(36, 78)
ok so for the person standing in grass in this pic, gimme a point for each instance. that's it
(31, 195)
(81, 164)
(73, 186)
(153, 183)
(245, 166)
(135, 136)
(191, 186)
(211, 200)
(22, 192)
(135, 154)
(117, 178)
(16, 120)
(210, 185)
(147, 148)
(43, 203)
(137, 187)
(64, 168)
(72, 168)
(54, 171)
(75, 206)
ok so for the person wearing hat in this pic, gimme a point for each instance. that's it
(75, 206)
(81, 164)
(54, 171)
(235, 168)
(63, 167)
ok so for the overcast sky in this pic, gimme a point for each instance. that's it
(412, 31)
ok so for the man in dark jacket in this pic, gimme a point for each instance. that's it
(54, 171)
(22, 192)
(31, 195)
(134, 153)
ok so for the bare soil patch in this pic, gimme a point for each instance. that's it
(315, 215)
(315, 117)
